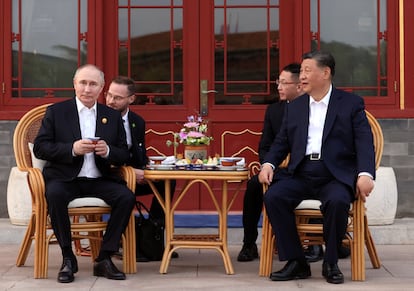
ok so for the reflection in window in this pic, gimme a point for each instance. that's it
(246, 51)
(46, 49)
(150, 49)
(354, 32)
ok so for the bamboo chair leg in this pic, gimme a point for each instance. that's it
(357, 253)
(26, 243)
(266, 252)
(41, 246)
(129, 247)
(372, 251)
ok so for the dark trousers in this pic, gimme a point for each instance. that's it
(252, 209)
(312, 180)
(117, 195)
(156, 210)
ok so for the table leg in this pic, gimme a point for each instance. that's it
(223, 231)
(169, 228)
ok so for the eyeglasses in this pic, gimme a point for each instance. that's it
(115, 97)
(284, 83)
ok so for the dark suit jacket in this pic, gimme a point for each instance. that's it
(271, 126)
(60, 129)
(347, 142)
(138, 154)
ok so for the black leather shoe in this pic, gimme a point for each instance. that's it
(332, 273)
(292, 270)
(107, 269)
(248, 253)
(314, 253)
(69, 267)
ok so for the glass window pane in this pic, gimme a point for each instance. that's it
(349, 30)
(45, 55)
(152, 54)
(246, 54)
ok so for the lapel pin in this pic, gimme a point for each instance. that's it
(104, 120)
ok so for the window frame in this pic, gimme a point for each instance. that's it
(397, 103)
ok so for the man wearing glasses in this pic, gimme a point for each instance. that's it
(289, 87)
(121, 93)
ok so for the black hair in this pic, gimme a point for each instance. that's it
(323, 59)
(122, 80)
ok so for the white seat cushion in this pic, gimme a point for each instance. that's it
(36, 163)
(309, 204)
(87, 201)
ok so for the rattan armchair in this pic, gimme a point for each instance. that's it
(358, 233)
(90, 210)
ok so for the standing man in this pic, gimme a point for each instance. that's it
(121, 93)
(77, 167)
(289, 87)
(332, 159)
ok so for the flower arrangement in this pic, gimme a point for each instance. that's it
(193, 132)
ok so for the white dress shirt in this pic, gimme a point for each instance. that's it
(317, 116)
(87, 122)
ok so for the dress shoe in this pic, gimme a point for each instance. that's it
(107, 269)
(293, 269)
(248, 253)
(314, 253)
(69, 267)
(332, 273)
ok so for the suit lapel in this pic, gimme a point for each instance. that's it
(331, 113)
(303, 120)
(72, 117)
(101, 120)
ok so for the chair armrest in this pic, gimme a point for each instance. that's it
(128, 174)
(37, 188)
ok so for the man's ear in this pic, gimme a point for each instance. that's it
(132, 99)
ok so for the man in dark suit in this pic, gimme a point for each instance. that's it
(78, 167)
(332, 159)
(121, 93)
(289, 87)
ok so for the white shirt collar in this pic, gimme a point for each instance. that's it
(80, 106)
(125, 116)
(324, 100)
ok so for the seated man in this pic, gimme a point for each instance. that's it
(289, 87)
(121, 93)
(78, 167)
(327, 134)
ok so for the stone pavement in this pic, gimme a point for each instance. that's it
(203, 269)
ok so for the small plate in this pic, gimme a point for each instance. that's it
(231, 159)
(157, 158)
(227, 168)
(209, 167)
(194, 166)
(161, 167)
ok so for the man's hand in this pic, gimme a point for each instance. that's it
(364, 187)
(139, 176)
(266, 174)
(83, 146)
(101, 148)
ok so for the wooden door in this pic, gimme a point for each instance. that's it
(215, 58)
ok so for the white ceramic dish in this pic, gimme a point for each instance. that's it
(157, 158)
(227, 168)
(161, 167)
(231, 159)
